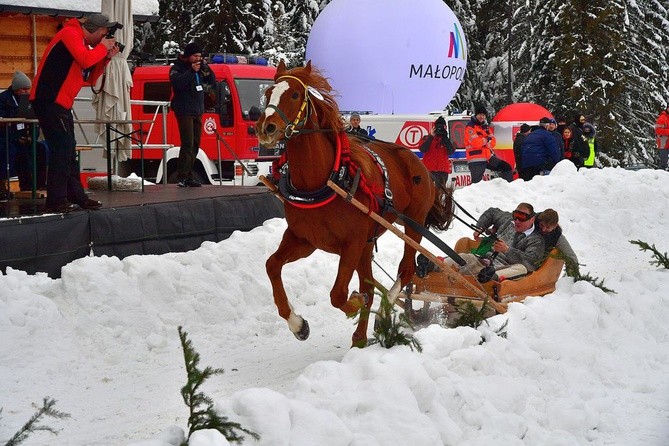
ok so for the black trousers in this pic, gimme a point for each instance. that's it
(63, 179)
(190, 129)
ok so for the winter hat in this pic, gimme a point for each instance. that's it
(192, 48)
(355, 115)
(524, 128)
(440, 121)
(545, 120)
(589, 130)
(20, 80)
(552, 121)
(479, 109)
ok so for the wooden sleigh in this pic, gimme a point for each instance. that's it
(439, 286)
(447, 285)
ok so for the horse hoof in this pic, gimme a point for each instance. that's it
(303, 333)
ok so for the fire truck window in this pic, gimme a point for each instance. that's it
(252, 92)
(225, 108)
(156, 91)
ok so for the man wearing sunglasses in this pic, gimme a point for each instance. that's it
(519, 246)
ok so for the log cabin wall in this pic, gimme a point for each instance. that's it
(23, 39)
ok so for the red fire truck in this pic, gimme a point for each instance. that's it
(229, 152)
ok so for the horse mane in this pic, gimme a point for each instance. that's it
(326, 111)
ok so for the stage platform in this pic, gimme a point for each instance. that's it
(163, 218)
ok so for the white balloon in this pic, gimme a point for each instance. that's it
(390, 56)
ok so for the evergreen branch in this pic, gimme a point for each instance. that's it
(661, 260)
(31, 425)
(573, 270)
(389, 328)
(204, 417)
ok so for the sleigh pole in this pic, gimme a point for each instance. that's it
(450, 272)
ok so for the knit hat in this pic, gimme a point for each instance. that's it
(355, 115)
(192, 48)
(552, 121)
(545, 120)
(440, 121)
(20, 80)
(479, 109)
(525, 128)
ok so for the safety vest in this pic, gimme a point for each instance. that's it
(590, 160)
(477, 146)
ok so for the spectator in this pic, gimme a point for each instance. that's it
(662, 136)
(561, 124)
(20, 137)
(355, 128)
(590, 134)
(518, 143)
(552, 127)
(519, 245)
(479, 145)
(78, 52)
(548, 222)
(189, 76)
(574, 148)
(540, 151)
(436, 149)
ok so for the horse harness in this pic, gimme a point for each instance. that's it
(345, 173)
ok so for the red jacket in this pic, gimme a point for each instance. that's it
(662, 130)
(477, 144)
(60, 74)
(435, 154)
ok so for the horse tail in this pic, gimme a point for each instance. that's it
(441, 213)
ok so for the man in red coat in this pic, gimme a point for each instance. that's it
(79, 52)
(662, 135)
(436, 149)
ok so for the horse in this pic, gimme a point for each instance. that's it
(301, 110)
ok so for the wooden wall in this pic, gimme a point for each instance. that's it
(17, 49)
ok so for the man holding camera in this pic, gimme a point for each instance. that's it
(78, 53)
(190, 77)
(436, 149)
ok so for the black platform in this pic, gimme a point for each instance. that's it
(163, 218)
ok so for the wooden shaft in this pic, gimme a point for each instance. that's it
(451, 273)
(271, 186)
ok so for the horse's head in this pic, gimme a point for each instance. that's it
(299, 99)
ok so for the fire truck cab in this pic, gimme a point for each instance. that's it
(228, 134)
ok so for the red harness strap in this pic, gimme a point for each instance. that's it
(342, 159)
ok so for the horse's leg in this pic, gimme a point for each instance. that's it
(290, 249)
(366, 287)
(349, 258)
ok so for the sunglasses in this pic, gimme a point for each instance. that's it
(521, 216)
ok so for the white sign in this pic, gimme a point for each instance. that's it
(399, 56)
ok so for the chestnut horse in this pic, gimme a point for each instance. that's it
(301, 110)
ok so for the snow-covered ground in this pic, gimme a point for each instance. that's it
(577, 367)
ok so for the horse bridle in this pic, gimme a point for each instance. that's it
(295, 127)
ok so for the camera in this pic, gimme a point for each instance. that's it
(112, 31)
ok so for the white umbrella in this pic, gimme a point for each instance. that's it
(113, 101)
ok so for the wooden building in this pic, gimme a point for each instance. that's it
(25, 31)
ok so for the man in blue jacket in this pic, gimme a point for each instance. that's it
(540, 151)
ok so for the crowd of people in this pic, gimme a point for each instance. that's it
(537, 149)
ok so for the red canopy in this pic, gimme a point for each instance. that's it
(522, 112)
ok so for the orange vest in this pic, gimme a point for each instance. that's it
(477, 145)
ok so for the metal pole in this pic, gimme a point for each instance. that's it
(109, 163)
(164, 108)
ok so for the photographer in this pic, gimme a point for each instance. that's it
(190, 77)
(436, 149)
(79, 52)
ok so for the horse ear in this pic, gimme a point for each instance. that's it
(308, 67)
(281, 68)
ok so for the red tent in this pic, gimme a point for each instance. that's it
(522, 112)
